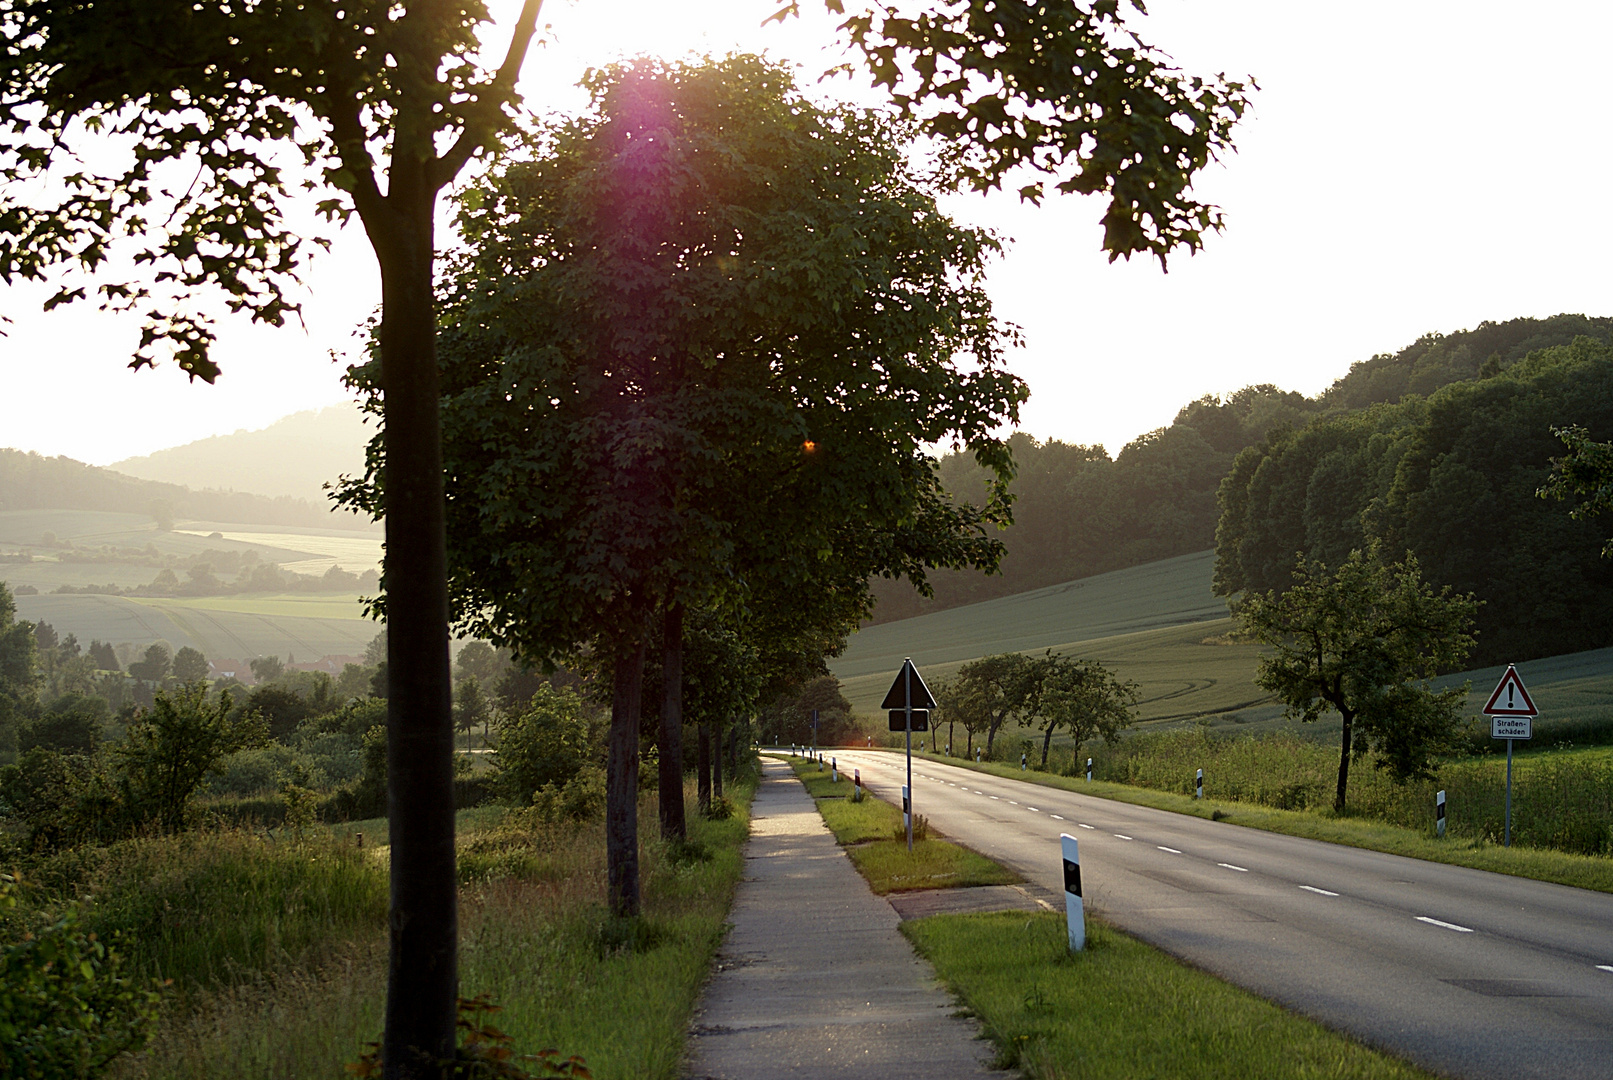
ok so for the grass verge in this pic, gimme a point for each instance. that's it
(534, 933)
(868, 831)
(1581, 871)
(1122, 1009)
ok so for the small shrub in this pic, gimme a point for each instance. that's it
(486, 1053)
(719, 808)
(67, 1010)
(921, 829)
(581, 798)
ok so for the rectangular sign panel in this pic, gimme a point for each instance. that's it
(1511, 727)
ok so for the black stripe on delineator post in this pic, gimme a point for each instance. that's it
(1072, 878)
(1075, 918)
(1439, 813)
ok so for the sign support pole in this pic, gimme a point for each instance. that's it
(908, 791)
(1509, 795)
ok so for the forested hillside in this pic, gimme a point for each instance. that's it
(1080, 512)
(30, 481)
(1452, 478)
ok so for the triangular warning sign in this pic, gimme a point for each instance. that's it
(909, 683)
(1510, 698)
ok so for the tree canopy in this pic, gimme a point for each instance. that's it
(1363, 640)
(1452, 478)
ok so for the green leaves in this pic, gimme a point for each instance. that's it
(1063, 93)
(1363, 640)
(66, 1007)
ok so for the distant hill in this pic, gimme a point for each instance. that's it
(30, 481)
(291, 458)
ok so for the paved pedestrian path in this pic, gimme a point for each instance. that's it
(815, 979)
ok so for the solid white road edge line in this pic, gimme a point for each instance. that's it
(1324, 892)
(1446, 925)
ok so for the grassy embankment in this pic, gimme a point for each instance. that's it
(1121, 1009)
(869, 829)
(277, 947)
(1565, 787)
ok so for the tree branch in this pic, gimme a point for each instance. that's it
(490, 102)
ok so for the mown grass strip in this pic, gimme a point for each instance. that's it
(869, 828)
(1122, 1009)
(1581, 871)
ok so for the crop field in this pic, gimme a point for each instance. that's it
(307, 625)
(1160, 626)
(216, 631)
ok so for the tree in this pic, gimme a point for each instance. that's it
(1000, 687)
(1584, 474)
(546, 743)
(104, 656)
(1363, 641)
(171, 747)
(480, 661)
(267, 668)
(280, 708)
(190, 665)
(962, 703)
(387, 104)
(470, 706)
(653, 400)
(1084, 698)
(19, 668)
(73, 724)
(155, 667)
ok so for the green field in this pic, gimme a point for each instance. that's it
(306, 625)
(1160, 625)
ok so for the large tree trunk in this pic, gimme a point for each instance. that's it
(673, 826)
(716, 767)
(1047, 741)
(703, 767)
(423, 917)
(621, 782)
(1344, 760)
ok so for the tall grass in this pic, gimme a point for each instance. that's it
(535, 933)
(1561, 799)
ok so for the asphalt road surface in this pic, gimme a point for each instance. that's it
(1465, 972)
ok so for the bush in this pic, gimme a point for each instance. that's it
(66, 1007)
(261, 769)
(544, 745)
(581, 798)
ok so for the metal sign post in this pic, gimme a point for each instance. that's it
(1512, 716)
(909, 699)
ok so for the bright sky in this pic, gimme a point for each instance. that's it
(1410, 166)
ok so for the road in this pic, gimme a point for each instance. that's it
(1468, 973)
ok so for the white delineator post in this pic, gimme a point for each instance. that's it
(1074, 913)
(907, 817)
(1021, 762)
(834, 771)
(1089, 770)
(857, 782)
(1198, 785)
(1439, 814)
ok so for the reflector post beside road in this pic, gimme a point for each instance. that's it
(1198, 785)
(1439, 814)
(1074, 914)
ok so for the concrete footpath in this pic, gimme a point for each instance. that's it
(815, 979)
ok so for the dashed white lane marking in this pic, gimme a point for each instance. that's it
(996, 799)
(1320, 892)
(1055, 817)
(1083, 825)
(1033, 809)
(1446, 925)
(1012, 803)
(1172, 850)
(979, 792)
(1229, 866)
(1118, 836)
(1604, 967)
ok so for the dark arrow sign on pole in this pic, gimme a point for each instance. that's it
(910, 699)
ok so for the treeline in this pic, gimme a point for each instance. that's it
(30, 481)
(1452, 478)
(1079, 512)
